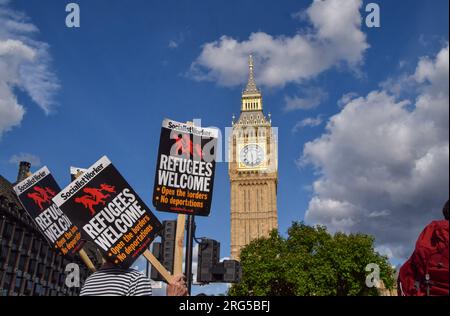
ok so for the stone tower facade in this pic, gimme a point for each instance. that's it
(252, 170)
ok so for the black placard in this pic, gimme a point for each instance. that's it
(109, 213)
(185, 169)
(36, 193)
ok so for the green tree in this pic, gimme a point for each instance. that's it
(310, 261)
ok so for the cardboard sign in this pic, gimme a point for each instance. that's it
(185, 169)
(110, 213)
(36, 193)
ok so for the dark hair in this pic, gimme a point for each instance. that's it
(445, 210)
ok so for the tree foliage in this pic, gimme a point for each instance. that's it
(310, 261)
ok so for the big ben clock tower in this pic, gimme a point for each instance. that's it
(252, 170)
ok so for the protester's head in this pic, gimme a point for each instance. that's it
(445, 210)
(108, 265)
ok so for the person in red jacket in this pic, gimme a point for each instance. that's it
(426, 271)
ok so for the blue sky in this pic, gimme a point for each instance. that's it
(108, 85)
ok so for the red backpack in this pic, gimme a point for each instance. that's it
(426, 272)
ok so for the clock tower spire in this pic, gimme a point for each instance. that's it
(251, 96)
(251, 84)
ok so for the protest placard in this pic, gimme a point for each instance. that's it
(109, 213)
(185, 169)
(36, 193)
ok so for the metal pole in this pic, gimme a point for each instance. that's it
(147, 266)
(189, 248)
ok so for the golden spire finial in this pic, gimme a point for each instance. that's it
(251, 84)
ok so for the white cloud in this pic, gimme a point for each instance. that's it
(308, 122)
(346, 98)
(311, 99)
(34, 160)
(300, 15)
(402, 64)
(334, 38)
(212, 289)
(173, 44)
(24, 65)
(383, 162)
(11, 113)
(179, 39)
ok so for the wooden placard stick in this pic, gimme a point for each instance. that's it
(158, 266)
(87, 261)
(179, 239)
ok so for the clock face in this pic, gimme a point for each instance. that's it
(252, 155)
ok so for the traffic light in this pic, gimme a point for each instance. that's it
(164, 251)
(156, 251)
(168, 244)
(208, 257)
(233, 271)
(209, 268)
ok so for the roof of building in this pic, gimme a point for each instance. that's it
(6, 190)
